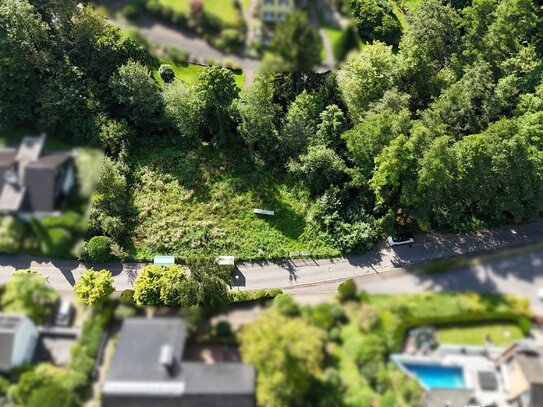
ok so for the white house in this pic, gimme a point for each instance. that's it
(18, 339)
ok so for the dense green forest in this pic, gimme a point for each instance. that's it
(438, 127)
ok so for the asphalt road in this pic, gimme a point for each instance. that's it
(314, 277)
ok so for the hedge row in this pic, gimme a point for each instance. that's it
(85, 351)
(238, 297)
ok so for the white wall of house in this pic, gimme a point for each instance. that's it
(24, 344)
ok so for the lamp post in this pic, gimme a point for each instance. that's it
(237, 280)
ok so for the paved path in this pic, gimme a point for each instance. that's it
(159, 33)
(329, 61)
(305, 276)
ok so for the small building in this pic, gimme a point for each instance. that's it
(148, 370)
(32, 181)
(18, 339)
(276, 11)
(522, 369)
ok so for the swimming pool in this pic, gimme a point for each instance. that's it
(432, 376)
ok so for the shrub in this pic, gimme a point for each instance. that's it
(94, 287)
(130, 12)
(177, 56)
(127, 297)
(57, 242)
(166, 73)
(346, 291)
(274, 292)
(11, 234)
(98, 249)
(247, 296)
(321, 316)
(286, 305)
(124, 311)
(260, 294)
(223, 329)
(4, 385)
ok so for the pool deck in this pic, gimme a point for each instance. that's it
(472, 360)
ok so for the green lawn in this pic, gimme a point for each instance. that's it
(500, 334)
(223, 9)
(189, 73)
(201, 202)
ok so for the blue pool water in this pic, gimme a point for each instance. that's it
(438, 376)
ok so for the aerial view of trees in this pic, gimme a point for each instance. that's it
(434, 124)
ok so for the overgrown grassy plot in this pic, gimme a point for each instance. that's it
(201, 202)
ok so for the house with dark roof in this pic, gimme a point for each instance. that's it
(148, 370)
(32, 181)
(18, 339)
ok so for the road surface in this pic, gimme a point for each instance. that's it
(310, 276)
(160, 33)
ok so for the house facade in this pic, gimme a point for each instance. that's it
(18, 339)
(32, 181)
(276, 11)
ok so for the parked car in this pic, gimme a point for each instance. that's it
(64, 313)
(401, 239)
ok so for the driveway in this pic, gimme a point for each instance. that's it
(310, 276)
(159, 33)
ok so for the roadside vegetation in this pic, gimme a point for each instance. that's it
(338, 353)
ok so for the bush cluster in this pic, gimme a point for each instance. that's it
(237, 297)
(97, 249)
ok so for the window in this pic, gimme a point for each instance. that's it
(268, 16)
(284, 3)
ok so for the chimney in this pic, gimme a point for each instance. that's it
(167, 358)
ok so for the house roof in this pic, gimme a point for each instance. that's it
(136, 368)
(52, 160)
(449, 398)
(7, 157)
(11, 197)
(531, 365)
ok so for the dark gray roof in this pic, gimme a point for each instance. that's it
(7, 157)
(136, 373)
(52, 160)
(449, 398)
(138, 351)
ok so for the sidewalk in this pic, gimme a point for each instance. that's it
(307, 274)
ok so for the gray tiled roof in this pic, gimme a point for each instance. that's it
(135, 369)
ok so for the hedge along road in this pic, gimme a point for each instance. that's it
(314, 277)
